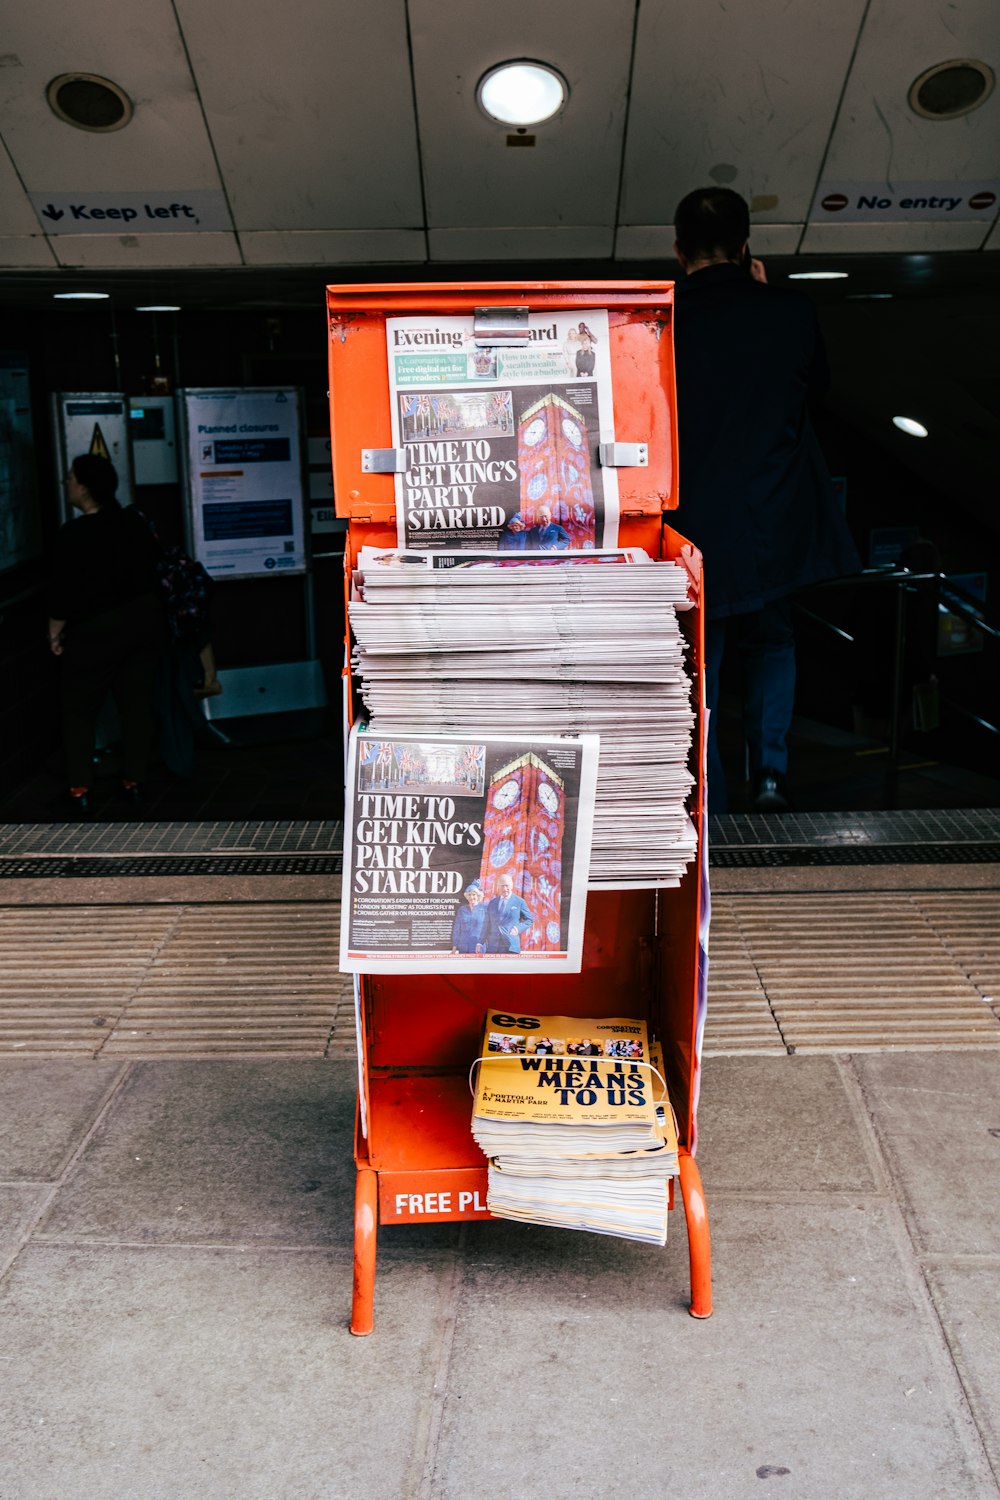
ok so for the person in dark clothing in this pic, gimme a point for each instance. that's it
(508, 918)
(105, 624)
(755, 495)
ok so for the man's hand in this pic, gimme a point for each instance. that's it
(757, 271)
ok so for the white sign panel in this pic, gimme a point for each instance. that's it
(244, 480)
(135, 213)
(861, 202)
(92, 422)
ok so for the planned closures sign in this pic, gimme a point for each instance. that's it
(244, 481)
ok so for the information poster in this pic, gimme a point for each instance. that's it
(467, 853)
(502, 442)
(244, 481)
(20, 530)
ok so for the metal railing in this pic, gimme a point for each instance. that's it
(953, 596)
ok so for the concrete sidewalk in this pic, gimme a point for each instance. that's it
(175, 1239)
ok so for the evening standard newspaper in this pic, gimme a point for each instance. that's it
(502, 443)
(467, 854)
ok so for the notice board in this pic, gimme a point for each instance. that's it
(243, 480)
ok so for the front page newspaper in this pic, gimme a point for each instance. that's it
(466, 853)
(502, 442)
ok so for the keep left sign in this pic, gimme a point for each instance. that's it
(132, 213)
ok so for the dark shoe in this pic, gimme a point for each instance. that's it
(769, 793)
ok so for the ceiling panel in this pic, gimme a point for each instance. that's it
(25, 250)
(878, 137)
(138, 250)
(16, 215)
(523, 242)
(311, 111)
(652, 241)
(164, 147)
(473, 179)
(346, 247)
(741, 95)
(329, 149)
(917, 237)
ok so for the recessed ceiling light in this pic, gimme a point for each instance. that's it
(911, 426)
(870, 296)
(89, 102)
(522, 93)
(80, 296)
(817, 275)
(951, 89)
(160, 307)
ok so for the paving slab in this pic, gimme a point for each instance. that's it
(779, 1124)
(936, 1114)
(46, 1109)
(576, 1371)
(966, 1299)
(18, 1206)
(218, 1153)
(152, 1375)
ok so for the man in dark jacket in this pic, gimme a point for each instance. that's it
(755, 495)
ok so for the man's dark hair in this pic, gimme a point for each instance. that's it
(98, 475)
(712, 222)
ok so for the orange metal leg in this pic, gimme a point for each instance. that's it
(365, 1235)
(699, 1246)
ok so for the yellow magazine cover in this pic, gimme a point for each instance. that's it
(564, 1070)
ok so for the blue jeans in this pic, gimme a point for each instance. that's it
(766, 644)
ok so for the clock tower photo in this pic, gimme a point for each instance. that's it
(523, 837)
(553, 458)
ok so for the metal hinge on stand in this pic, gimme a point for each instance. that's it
(384, 461)
(500, 327)
(623, 455)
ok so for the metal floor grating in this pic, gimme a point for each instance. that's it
(854, 830)
(322, 836)
(99, 867)
(943, 837)
(871, 854)
(98, 851)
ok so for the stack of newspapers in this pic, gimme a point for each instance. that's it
(574, 1119)
(551, 643)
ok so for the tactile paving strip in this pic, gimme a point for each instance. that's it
(857, 972)
(174, 981)
(807, 972)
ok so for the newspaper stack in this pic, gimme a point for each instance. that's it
(574, 1119)
(457, 642)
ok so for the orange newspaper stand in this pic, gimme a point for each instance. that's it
(643, 952)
